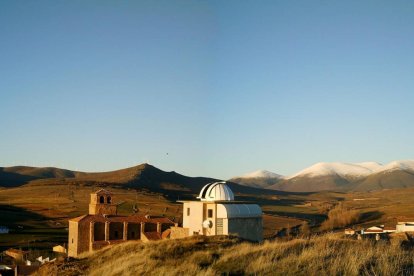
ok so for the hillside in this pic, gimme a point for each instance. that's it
(313, 184)
(386, 180)
(328, 254)
(143, 176)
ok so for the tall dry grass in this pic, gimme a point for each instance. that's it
(339, 217)
(329, 254)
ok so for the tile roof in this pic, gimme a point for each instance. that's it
(153, 236)
(17, 251)
(389, 228)
(102, 191)
(130, 219)
(77, 219)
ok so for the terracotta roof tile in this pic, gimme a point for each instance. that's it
(101, 191)
(161, 220)
(390, 228)
(130, 219)
(17, 251)
(153, 236)
(77, 219)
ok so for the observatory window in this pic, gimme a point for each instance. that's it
(108, 199)
(188, 211)
(210, 213)
(101, 199)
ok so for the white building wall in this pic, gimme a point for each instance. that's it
(405, 227)
(194, 221)
(213, 230)
(226, 226)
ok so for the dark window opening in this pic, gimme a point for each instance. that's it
(116, 234)
(188, 211)
(72, 240)
(133, 234)
(210, 213)
(108, 199)
(101, 199)
(99, 231)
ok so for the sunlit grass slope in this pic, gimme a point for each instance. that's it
(328, 254)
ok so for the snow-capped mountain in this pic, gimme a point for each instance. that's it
(349, 176)
(341, 169)
(353, 169)
(338, 176)
(261, 174)
(258, 179)
(406, 165)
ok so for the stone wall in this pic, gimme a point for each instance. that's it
(73, 239)
(107, 209)
(83, 236)
(179, 232)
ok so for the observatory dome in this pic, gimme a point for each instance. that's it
(217, 191)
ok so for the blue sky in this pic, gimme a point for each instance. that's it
(205, 88)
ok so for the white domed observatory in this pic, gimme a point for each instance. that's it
(217, 213)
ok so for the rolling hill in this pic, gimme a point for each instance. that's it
(143, 176)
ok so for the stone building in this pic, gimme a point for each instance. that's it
(102, 226)
(217, 213)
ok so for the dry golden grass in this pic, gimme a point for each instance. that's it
(339, 217)
(329, 254)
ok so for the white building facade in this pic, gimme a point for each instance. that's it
(405, 226)
(217, 213)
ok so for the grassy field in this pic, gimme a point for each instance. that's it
(38, 214)
(328, 254)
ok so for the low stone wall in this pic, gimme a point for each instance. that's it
(179, 232)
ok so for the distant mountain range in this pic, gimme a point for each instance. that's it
(336, 176)
(143, 176)
(319, 177)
